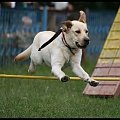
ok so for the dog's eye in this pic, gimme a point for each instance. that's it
(78, 31)
(86, 31)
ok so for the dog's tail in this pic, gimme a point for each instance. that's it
(24, 55)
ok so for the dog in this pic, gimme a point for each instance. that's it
(67, 47)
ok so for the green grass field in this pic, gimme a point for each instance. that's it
(33, 98)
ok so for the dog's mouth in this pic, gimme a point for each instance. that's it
(82, 46)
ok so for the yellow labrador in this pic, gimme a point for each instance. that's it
(67, 47)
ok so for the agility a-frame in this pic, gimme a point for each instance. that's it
(107, 69)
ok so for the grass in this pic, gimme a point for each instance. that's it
(29, 98)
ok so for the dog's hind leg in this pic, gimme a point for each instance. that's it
(31, 67)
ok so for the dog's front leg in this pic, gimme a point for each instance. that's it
(79, 71)
(57, 64)
(56, 70)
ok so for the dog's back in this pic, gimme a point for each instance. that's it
(39, 39)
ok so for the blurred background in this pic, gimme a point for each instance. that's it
(45, 98)
(21, 21)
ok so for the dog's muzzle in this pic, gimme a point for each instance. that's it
(86, 42)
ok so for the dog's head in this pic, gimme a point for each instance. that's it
(77, 31)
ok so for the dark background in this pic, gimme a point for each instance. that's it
(96, 5)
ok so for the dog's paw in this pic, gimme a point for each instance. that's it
(65, 78)
(93, 82)
(31, 71)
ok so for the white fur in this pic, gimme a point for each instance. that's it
(56, 54)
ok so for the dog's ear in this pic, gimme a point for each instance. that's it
(66, 25)
(82, 17)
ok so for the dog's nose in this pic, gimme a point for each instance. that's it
(86, 39)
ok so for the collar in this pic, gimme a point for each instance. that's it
(67, 45)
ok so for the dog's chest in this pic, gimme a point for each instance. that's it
(66, 54)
